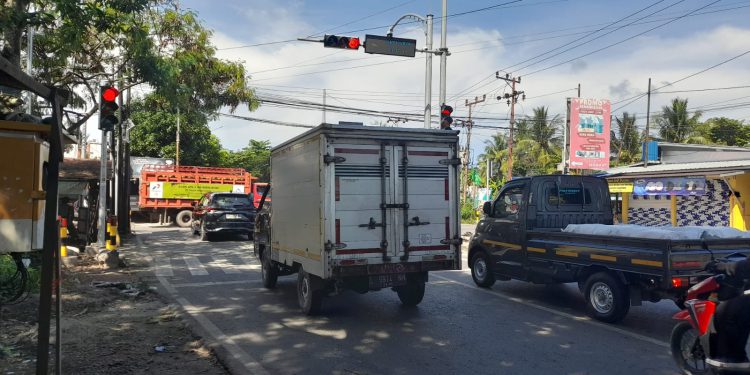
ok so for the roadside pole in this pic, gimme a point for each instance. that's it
(102, 215)
(428, 75)
(443, 51)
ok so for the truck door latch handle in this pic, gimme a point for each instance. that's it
(415, 221)
(328, 159)
(371, 225)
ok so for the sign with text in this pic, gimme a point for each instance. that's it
(620, 186)
(383, 45)
(670, 186)
(171, 190)
(589, 133)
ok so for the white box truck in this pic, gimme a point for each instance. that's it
(361, 208)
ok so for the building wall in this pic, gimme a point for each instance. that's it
(740, 206)
(710, 209)
(652, 211)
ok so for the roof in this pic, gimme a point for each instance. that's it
(715, 167)
(82, 169)
(703, 147)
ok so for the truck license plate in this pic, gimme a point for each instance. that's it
(387, 281)
(232, 216)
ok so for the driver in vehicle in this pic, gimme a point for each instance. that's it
(732, 321)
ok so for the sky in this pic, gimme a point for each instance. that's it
(610, 48)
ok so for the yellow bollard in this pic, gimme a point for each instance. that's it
(111, 237)
(63, 236)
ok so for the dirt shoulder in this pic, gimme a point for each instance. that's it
(118, 327)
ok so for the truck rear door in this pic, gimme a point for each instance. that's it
(394, 208)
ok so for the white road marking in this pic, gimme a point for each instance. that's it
(225, 265)
(578, 318)
(251, 365)
(194, 266)
(162, 266)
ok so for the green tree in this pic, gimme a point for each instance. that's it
(542, 129)
(626, 142)
(728, 131)
(155, 131)
(254, 158)
(676, 124)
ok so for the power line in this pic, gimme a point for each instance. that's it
(682, 79)
(622, 41)
(363, 18)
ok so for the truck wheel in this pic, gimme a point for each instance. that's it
(607, 298)
(268, 271)
(412, 293)
(481, 271)
(309, 292)
(184, 218)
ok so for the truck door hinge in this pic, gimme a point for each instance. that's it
(328, 159)
(454, 161)
(371, 225)
(453, 241)
(334, 246)
(415, 222)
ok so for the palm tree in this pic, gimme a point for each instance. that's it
(675, 123)
(542, 129)
(626, 143)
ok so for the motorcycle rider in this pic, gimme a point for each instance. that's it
(732, 319)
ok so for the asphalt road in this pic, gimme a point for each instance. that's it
(513, 328)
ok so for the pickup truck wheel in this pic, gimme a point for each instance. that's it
(268, 272)
(412, 293)
(309, 293)
(606, 298)
(184, 218)
(480, 270)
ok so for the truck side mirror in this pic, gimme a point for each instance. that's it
(487, 208)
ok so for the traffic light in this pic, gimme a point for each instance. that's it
(108, 107)
(445, 116)
(343, 42)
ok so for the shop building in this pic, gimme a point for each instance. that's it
(685, 185)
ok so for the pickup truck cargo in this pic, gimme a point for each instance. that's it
(521, 238)
(361, 208)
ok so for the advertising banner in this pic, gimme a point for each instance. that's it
(171, 190)
(620, 186)
(670, 186)
(589, 133)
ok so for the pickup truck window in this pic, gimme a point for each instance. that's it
(508, 203)
(568, 196)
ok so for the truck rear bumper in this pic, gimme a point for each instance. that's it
(392, 268)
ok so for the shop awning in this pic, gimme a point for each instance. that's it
(710, 168)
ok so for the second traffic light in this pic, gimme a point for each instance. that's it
(108, 107)
(445, 116)
(343, 42)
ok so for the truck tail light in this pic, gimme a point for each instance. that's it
(680, 282)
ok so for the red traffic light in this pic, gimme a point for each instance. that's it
(446, 110)
(343, 42)
(110, 94)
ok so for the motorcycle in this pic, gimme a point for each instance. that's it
(693, 339)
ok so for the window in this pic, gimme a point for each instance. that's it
(568, 196)
(508, 204)
(230, 201)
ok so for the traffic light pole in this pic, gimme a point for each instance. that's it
(428, 75)
(443, 51)
(102, 215)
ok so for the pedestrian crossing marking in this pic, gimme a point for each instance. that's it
(225, 265)
(163, 266)
(194, 266)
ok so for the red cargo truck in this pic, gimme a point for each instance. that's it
(171, 190)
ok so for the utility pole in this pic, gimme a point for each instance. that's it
(470, 124)
(177, 154)
(324, 106)
(579, 90)
(443, 50)
(428, 74)
(512, 99)
(648, 110)
(29, 58)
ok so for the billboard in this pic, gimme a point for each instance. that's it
(589, 133)
(670, 186)
(174, 190)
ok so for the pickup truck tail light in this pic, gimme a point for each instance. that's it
(680, 282)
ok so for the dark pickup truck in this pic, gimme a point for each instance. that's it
(521, 237)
